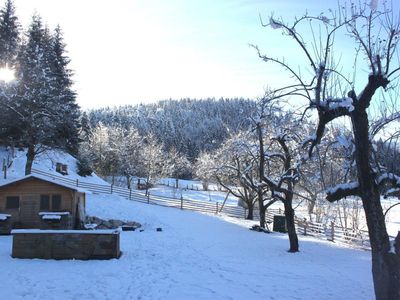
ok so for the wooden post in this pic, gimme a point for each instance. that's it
(181, 202)
(148, 197)
(130, 194)
(332, 231)
(77, 182)
(279, 210)
(4, 168)
(223, 203)
(305, 226)
(111, 190)
(217, 207)
(245, 212)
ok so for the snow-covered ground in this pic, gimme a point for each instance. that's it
(188, 194)
(46, 162)
(196, 256)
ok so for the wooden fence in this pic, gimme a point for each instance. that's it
(332, 232)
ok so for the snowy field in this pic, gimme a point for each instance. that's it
(196, 256)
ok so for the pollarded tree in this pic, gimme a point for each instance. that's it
(374, 31)
(278, 159)
(153, 159)
(129, 151)
(177, 165)
(330, 164)
(204, 169)
(233, 163)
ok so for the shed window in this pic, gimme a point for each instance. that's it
(44, 202)
(12, 202)
(56, 202)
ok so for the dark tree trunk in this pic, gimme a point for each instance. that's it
(30, 156)
(250, 213)
(385, 263)
(291, 228)
(262, 208)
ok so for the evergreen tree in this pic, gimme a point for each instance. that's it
(67, 129)
(9, 35)
(33, 106)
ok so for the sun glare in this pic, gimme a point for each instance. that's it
(6, 74)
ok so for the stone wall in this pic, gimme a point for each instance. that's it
(66, 244)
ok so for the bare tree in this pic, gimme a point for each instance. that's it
(278, 169)
(234, 163)
(375, 35)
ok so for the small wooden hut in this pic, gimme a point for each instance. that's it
(35, 201)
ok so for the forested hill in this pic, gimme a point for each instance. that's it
(188, 125)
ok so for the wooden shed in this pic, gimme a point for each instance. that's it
(35, 201)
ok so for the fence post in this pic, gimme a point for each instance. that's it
(148, 197)
(111, 189)
(77, 182)
(130, 194)
(181, 202)
(332, 231)
(279, 210)
(305, 226)
(245, 212)
(217, 208)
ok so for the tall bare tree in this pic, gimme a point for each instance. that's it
(374, 31)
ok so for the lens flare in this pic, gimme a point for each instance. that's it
(6, 74)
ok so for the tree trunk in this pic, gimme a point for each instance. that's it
(261, 208)
(250, 213)
(30, 156)
(311, 206)
(291, 228)
(385, 263)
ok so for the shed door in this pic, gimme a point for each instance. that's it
(29, 211)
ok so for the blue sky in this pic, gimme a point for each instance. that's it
(130, 51)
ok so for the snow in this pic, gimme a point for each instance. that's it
(51, 217)
(342, 186)
(40, 231)
(373, 5)
(4, 217)
(333, 104)
(275, 24)
(53, 180)
(187, 194)
(56, 213)
(196, 256)
(45, 162)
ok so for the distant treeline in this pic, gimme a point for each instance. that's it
(189, 125)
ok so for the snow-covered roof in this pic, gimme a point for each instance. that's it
(36, 231)
(4, 217)
(51, 180)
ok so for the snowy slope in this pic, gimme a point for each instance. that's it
(46, 162)
(195, 257)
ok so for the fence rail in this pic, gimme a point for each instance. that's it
(331, 232)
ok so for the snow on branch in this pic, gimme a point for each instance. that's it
(275, 24)
(341, 191)
(389, 181)
(333, 104)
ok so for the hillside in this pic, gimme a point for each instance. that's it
(45, 162)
